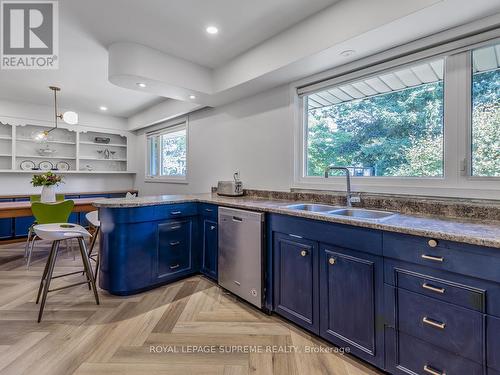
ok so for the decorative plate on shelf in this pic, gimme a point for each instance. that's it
(27, 165)
(45, 165)
(62, 166)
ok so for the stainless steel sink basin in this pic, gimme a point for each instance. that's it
(362, 214)
(311, 207)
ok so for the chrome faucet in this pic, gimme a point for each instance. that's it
(348, 180)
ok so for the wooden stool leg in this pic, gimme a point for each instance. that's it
(50, 270)
(45, 270)
(88, 267)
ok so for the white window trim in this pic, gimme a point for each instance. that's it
(457, 127)
(167, 127)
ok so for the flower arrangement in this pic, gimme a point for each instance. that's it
(46, 179)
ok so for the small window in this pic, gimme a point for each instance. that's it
(486, 112)
(386, 125)
(167, 153)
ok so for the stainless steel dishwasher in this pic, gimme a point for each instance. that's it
(241, 242)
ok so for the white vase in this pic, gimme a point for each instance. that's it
(48, 194)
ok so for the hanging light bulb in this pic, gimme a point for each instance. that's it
(69, 117)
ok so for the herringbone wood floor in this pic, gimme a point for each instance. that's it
(78, 337)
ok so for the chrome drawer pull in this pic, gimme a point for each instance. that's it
(428, 369)
(176, 227)
(295, 236)
(432, 257)
(209, 210)
(174, 267)
(176, 212)
(212, 227)
(433, 323)
(433, 288)
(174, 243)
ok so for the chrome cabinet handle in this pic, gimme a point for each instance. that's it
(174, 267)
(433, 323)
(432, 243)
(295, 235)
(176, 227)
(303, 253)
(209, 210)
(212, 227)
(432, 257)
(174, 243)
(428, 369)
(433, 288)
(176, 212)
(332, 261)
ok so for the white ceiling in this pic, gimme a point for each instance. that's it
(176, 27)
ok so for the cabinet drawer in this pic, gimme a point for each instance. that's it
(175, 234)
(409, 355)
(209, 210)
(174, 247)
(448, 291)
(480, 262)
(180, 210)
(450, 327)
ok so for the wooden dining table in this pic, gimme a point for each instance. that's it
(23, 208)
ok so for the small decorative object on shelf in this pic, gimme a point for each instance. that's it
(46, 151)
(48, 181)
(89, 167)
(103, 140)
(62, 166)
(45, 165)
(27, 165)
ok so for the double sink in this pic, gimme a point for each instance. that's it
(357, 213)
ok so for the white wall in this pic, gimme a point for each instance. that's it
(19, 183)
(254, 136)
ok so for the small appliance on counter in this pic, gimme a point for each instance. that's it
(231, 188)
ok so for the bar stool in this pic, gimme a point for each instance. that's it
(93, 218)
(57, 233)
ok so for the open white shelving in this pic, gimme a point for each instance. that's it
(78, 148)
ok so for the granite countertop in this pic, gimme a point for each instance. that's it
(475, 232)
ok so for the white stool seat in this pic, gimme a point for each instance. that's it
(60, 231)
(93, 218)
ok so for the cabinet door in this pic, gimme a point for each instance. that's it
(350, 285)
(174, 248)
(210, 248)
(6, 225)
(296, 280)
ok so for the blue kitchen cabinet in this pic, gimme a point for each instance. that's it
(6, 225)
(210, 246)
(296, 280)
(493, 344)
(22, 224)
(208, 214)
(174, 251)
(351, 301)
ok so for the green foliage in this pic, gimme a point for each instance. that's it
(46, 179)
(401, 133)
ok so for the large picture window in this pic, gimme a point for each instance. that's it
(389, 125)
(486, 112)
(167, 153)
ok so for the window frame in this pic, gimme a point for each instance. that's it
(457, 179)
(170, 128)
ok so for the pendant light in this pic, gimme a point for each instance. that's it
(69, 117)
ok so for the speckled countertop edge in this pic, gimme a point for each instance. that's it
(474, 232)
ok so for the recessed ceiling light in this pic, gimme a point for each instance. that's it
(141, 84)
(212, 30)
(192, 97)
(103, 108)
(347, 53)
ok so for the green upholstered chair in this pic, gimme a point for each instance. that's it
(48, 213)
